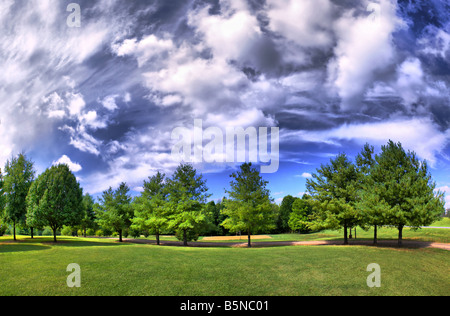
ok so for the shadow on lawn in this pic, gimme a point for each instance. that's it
(45, 243)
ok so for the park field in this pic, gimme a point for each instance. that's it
(38, 267)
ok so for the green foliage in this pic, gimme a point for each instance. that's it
(249, 207)
(400, 191)
(285, 214)
(88, 219)
(2, 195)
(187, 195)
(55, 199)
(115, 211)
(19, 175)
(334, 192)
(151, 208)
(299, 219)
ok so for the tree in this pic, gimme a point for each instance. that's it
(333, 195)
(187, 195)
(369, 204)
(403, 187)
(285, 214)
(115, 210)
(17, 181)
(88, 219)
(249, 206)
(55, 199)
(299, 217)
(151, 208)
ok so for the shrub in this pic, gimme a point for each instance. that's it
(66, 231)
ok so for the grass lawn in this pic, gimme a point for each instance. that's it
(38, 267)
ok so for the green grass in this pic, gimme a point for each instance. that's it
(444, 222)
(38, 267)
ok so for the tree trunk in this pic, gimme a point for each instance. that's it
(375, 235)
(400, 229)
(185, 238)
(31, 229)
(355, 232)
(120, 235)
(14, 230)
(85, 232)
(345, 235)
(54, 234)
(249, 241)
(157, 237)
(350, 236)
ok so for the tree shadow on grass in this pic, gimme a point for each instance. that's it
(41, 243)
(20, 247)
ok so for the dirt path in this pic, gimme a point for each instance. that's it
(381, 243)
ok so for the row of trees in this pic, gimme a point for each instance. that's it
(179, 204)
(393, 188)
(53, 199)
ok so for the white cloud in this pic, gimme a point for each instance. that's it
(410, 80)
(73, 166)
(110, 102)
(306, 23)
(364, 47)
(420, 135)
(232, 34)
(306, 175)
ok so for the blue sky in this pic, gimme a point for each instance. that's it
(105, 97)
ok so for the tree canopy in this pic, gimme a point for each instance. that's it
(249, 206)
(55, 199)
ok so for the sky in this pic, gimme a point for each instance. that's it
(106, 95)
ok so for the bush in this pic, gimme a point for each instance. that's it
(47, 232)
(90, 232)
(3, 228)
(99, 233)
(66, 231)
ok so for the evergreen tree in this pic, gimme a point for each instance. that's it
(369, 204)
(249, 206)
(88, 220)
(333, 195)
(402, 187)
(151, 209)
(187, 194)
(115, 211)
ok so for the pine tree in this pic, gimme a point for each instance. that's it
(249, 206)
(115, 211)
(187, 195)
(403, 188)
(151, 209)
(333, 191)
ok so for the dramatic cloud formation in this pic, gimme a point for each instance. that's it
(332, 75)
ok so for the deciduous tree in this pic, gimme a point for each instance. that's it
(55, 199)
(19, 175)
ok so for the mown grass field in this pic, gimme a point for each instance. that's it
(38, 267)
